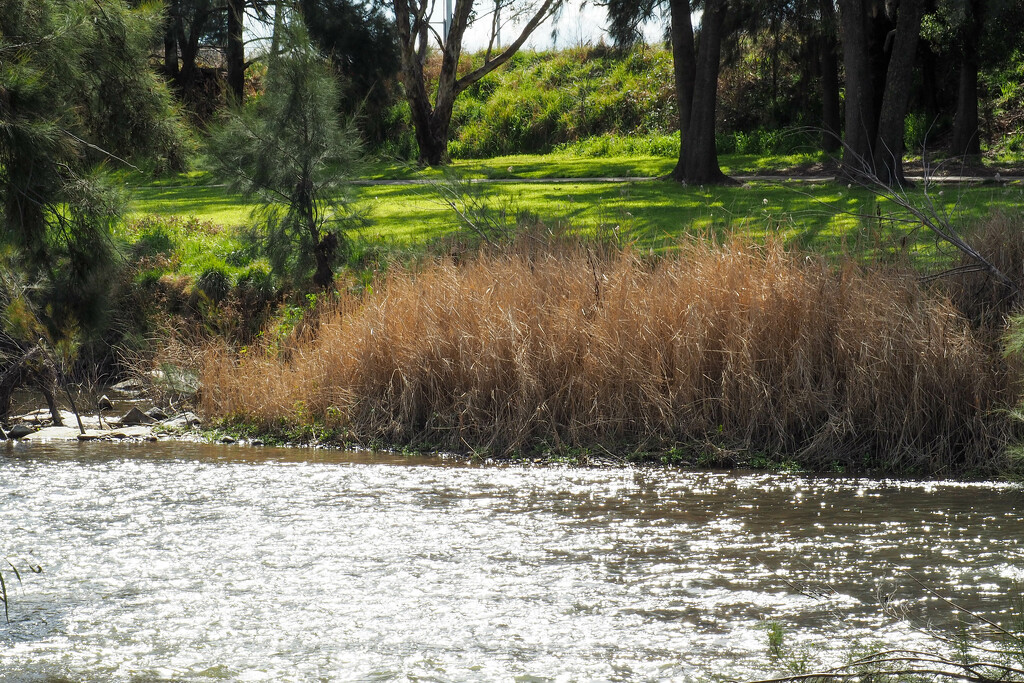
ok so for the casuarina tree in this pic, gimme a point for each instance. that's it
(76, 91)
(288, 150)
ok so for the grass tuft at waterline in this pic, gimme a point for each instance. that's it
(560, 344)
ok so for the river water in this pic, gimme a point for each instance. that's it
(194, 562)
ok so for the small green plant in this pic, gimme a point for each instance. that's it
(979, 649)
(796, 662)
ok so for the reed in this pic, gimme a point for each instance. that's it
(568, 345)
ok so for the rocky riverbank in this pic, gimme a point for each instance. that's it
(151, 425)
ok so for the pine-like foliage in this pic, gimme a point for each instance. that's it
(75, 91)
(288, 150)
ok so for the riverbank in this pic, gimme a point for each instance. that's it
(39, 426)
(713, 355)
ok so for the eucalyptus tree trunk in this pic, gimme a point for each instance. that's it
(888, 158)
(684, 65)
(236, 50)
(828, 55)
(861, 118)
(877, 85)
(698, 151)
(966, 141)
(432, 120)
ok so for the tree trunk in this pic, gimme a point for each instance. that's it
(684, 65)
(861, 118)
(966, 141)
(51, 402)
(828, 48)
(699, 151)
(170, 55)
(888, 159)
(324, 257)
(275, 38)
(430, 129)
(21, 373)
(432, 123)
(433, 141)
(236, 50)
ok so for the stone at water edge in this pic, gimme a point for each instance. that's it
(104, 403)
(20, 431)
(157, 414)
(129, 386)
(135, 417)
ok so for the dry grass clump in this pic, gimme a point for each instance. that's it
(985, 301)
(563, 346)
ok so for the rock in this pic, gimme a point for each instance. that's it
(104, 403)
(21, 431)
(65, 433)
(135, 432)
(157, 414)
(89, 436)
(135, 417)
(176, 423)
(255, 442)
(88, 421)
(129, 386)
(192, 419)
(227, 439)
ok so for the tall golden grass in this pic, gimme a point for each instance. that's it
(568, 345)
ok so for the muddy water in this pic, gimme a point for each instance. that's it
(187, 562)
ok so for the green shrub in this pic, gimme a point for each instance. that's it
(154, 238)
(256, 287)
(214, 283)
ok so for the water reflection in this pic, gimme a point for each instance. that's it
(189, 562)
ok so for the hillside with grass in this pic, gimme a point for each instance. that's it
(599, 101)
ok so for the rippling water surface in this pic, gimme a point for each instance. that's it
(188, 562)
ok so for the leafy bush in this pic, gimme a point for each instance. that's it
(214, 283)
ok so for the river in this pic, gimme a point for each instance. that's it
(190, 562)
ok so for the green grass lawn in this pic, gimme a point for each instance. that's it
(568, 165)
(826, 217)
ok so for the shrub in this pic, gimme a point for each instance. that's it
(214, 284)
(562, 345)
(540, 100)
(986, 302)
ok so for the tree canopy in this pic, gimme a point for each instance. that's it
(75, 91)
